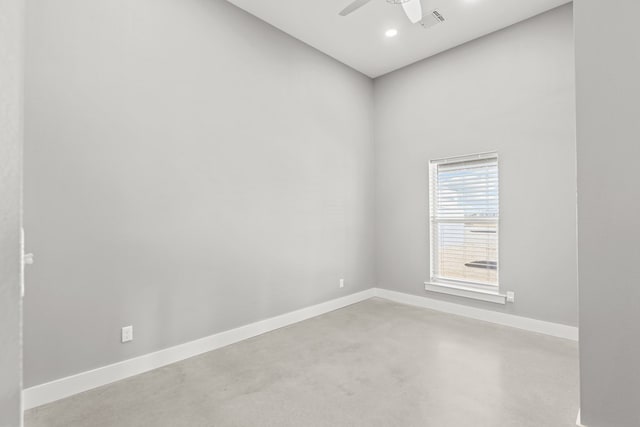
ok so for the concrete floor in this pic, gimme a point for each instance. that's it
(375, 363)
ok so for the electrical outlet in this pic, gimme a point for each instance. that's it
(342, 283)
(127, 334)
(511, 296)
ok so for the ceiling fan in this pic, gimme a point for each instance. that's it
(413, 8)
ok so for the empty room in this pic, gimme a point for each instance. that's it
(323, 213)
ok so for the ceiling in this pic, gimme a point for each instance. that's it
(359, 41)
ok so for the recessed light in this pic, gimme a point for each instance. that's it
(391, 32)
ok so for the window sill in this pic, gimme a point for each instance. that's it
(461, 291)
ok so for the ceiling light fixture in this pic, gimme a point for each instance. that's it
(391, 32)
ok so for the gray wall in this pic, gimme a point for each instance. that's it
(188, 169)
(513, 92)
(608, 92)
(11, 58)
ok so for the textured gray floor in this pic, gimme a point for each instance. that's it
(375, 363)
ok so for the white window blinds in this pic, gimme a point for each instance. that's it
(464, 213)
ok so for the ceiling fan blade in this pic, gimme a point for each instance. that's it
(357, 4)
(413, 9)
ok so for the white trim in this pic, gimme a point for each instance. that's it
(68, 386)
(461, 158)
(466, 292)
(528, 324)
(578, 421)
(65, 387)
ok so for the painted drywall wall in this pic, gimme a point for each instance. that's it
(11, 69)
(510, 92)
(608, 130)
(188, 169)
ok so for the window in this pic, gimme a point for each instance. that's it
(464, 214)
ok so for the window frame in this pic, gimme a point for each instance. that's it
(470, 289)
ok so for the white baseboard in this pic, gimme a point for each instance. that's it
(68, 386)
(65, 387)
(579, 421)
(528, 324)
